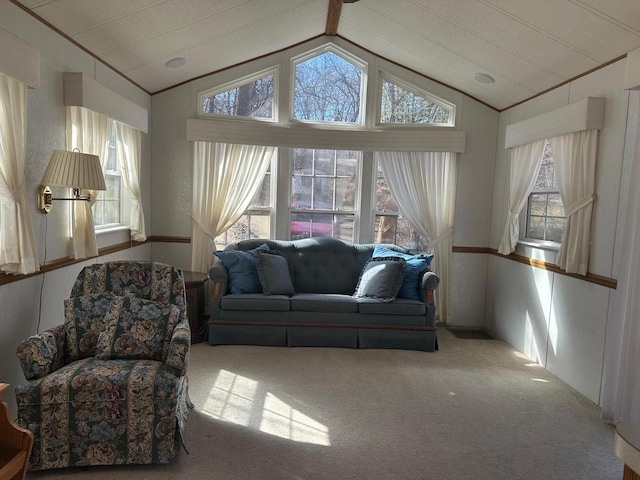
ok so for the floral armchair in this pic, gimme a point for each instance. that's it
(110, 386)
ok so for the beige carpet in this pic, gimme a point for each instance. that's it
(474, 410)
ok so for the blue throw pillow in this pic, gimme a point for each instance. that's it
(416, 265)
(242, 269)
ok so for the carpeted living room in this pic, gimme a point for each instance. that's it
(475, 409)
(296, 239)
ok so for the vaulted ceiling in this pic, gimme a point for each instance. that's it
(526, 46)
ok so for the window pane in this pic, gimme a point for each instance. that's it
(401, 106)
(386, 226)
(106, 208)
(347, 163)
(395, 229)
(262, 197)
(325, 162)
(555, 229)
(345, 194)
(555, 207)
(323, 190)
(301, 188)
(535, 228)
(538, 204)
(343, 227)
(384, 201)
(302, 161)
(546, 179)
(327, 89)
(307, 225)
(251, 225)
(253, 99)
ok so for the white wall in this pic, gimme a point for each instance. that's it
(556, 320)
(45, 132)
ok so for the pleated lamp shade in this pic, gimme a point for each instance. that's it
(74, 170)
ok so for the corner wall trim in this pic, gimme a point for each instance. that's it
(534, 262)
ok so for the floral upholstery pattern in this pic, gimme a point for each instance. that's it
(137, 328)
(92, 411)
(83, 318)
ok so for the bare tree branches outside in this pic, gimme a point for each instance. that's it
(327, 89)
(402, 106)
(253, 99)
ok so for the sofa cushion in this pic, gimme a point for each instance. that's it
(326, 302)
(400, 306)
(256, 301)
(381, 278)
(242, 269)
(83, 320)
(273, 272)
(136, 328)
(415, 267)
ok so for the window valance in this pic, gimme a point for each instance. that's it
(19, 60)
(83, 91)
(587, 114)
(268, 134)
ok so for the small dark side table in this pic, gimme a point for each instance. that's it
(194, 283)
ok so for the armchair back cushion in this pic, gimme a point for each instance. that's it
(137, 328)
(83, 319)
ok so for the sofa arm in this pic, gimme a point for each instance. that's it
(42, 353)
(430, 282)
(178, 354)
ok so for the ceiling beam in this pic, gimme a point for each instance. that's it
(333, 17)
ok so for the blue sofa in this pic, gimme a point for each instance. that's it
(323, 311)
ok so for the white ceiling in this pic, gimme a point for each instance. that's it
(527, 46)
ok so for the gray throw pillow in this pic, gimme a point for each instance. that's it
(381, 278)
(273, 271)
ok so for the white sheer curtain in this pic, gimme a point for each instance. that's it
(225, 179)
(524, 166)
(129, 143)
(18, 252)
(423, 184)
(621, 390)
(87, 131)
(574, 157)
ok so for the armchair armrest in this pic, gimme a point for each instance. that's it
(42, 353)
(178, 354)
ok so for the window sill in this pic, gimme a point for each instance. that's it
(118, 228)
(544, 245)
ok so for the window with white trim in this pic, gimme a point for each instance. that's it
(329, 86)
(545, 217)
(250, 97)
(401, 103)
(320, 192)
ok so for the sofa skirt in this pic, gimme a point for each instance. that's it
(289, 335)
